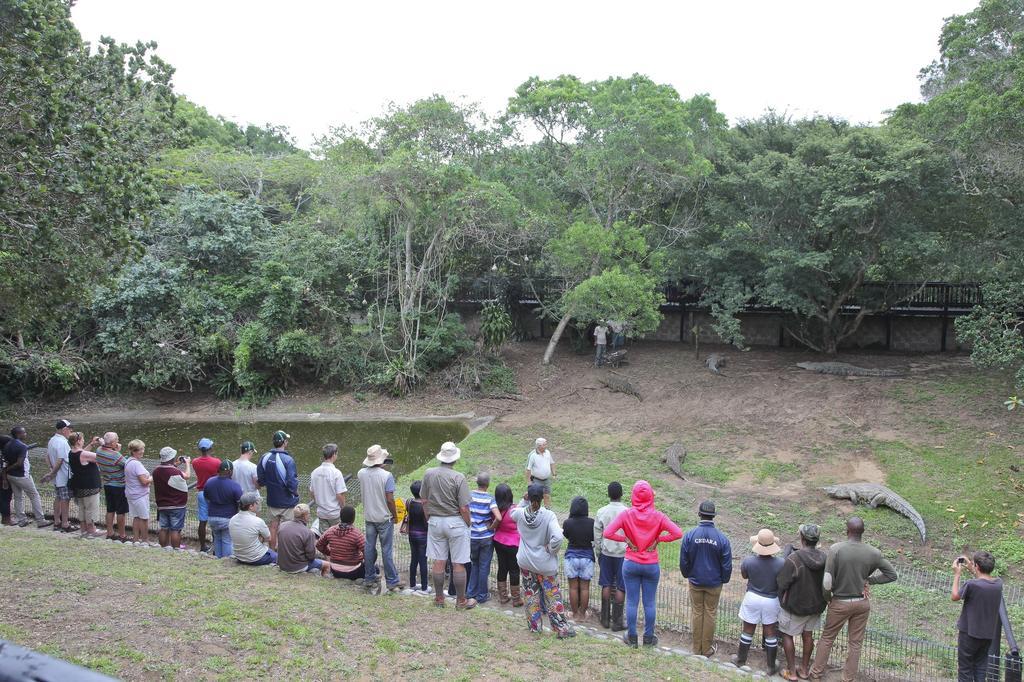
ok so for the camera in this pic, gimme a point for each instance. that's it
(962, 560)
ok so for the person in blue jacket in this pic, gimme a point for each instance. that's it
(705, 559)
(276, 471)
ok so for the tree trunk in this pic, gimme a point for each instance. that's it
(562, 324)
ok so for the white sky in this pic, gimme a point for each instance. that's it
(311, 65)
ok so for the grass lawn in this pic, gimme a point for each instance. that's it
(147, 614)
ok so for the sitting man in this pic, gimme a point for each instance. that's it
(344, 545)
(249, 533)
(296, 545)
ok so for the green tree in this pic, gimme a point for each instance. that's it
(616, 153)
(77, 129)
(801, 215)
(408, 188)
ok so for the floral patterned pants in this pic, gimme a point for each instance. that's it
(543, 596)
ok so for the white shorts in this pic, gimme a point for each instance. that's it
(759, 610)
(794, 626)
(448, 535)
(139, 508)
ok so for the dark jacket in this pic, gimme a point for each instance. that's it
(706, 556)
(282, 491)
(800, 591)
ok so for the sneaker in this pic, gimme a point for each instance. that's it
(567, 634)
(466, 605)
(396, 589)
(22, 524)
(650, 641)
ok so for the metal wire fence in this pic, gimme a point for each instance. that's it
(885, 655)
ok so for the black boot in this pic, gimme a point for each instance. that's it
(617, 624)
(771, 653)
(740, 657)
(606, 613)
(630, 641)
(651, 641)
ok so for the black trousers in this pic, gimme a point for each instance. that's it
(971, 658)
(508, 567)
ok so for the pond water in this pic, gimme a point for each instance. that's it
(411, 443)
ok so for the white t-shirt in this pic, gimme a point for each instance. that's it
(244, 474)
(248, 535)
(601, 335)
(57, 448)
(540, 464)
(325, 483)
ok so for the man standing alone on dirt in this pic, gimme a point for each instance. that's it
(601, 342)
(705, 559)
(849, 569)
(801, 598)
(540, 468)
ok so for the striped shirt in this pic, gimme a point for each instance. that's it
(343, 545)
(111, 466)
(480, 505)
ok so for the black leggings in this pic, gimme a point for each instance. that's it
(508, 567)
(418, 558)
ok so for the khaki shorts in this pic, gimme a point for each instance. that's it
(278, 514)
(448, 535)
(139, 508)
(88, 508)
(793, 626)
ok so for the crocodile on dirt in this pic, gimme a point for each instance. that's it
(843, 369)
(618, 384)
(873, 495)
(715, 363)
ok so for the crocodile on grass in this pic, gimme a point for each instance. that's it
(842, 369)
(873, 495)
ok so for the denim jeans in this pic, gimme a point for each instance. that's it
(221, 537)
(641, 581)
(480, 553)
(385, 532)
(599, 355)
(418, 560)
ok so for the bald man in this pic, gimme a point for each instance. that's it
(850, 567)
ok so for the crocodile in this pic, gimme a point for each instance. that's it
(873, 495)
(674, 458)
(843, 369)
(715, 363)
(617, 384)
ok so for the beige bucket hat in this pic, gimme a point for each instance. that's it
(765, 543)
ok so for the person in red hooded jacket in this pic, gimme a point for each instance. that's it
(642, 528)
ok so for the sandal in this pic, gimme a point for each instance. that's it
(124, 539)
(802, 674)
(787, 674)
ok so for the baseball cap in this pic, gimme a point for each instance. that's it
(280, 437)
(248, 446)
(707, 508)
(810, 532)
(225, 465)
(205, 444)
(63, 424)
